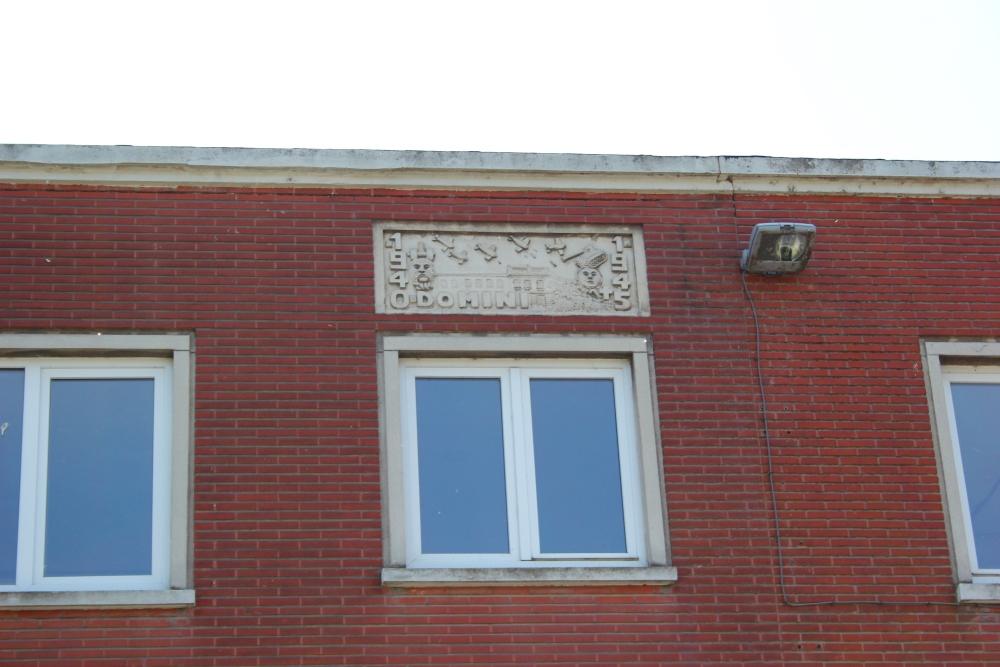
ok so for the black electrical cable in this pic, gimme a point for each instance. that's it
(770, 465)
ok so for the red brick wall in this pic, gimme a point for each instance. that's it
(278, 286)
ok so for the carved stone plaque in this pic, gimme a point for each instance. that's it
(502, 269)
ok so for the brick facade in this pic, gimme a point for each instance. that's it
(277, 285)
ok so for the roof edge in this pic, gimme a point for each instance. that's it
(145, 166)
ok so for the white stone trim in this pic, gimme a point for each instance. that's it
(978, 593)
(97, 599)
(515, 344)
(182, 472)
(94, 342)
(401, 577)
(637, 350)
(650, 458)
(937, 356)
(180, 349)
(143, 166)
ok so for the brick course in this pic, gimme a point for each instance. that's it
(278, 287)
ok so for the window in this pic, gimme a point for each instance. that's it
(539, 467)
(93, 471)
(965, 400)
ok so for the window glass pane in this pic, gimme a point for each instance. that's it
(11, 417)
(977, 416)
(99, 500)
(577, 472)
(463, 495)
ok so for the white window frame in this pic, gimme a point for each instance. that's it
(167, 360)
(516, 359)
(522, 507)
(945, 363)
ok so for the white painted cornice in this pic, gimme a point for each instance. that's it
(146, 166)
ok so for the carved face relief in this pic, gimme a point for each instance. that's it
(590, 278)
(421, 274)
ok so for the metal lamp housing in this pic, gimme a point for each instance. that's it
(778, 247)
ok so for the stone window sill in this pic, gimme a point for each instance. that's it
(96, 599)
(399, 577)
(978, 593)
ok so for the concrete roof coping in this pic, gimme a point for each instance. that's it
(145, 166)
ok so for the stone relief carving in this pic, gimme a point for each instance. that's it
(420, 268)
(505, 269)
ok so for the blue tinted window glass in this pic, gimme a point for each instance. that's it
(577, 472)
(11, 418)
(977, 416)
(463, 494)
(99, 500)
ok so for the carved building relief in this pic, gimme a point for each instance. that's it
(501, 269)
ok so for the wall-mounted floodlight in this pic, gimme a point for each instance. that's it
(778, 247)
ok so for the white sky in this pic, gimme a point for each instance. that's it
(869, 79)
